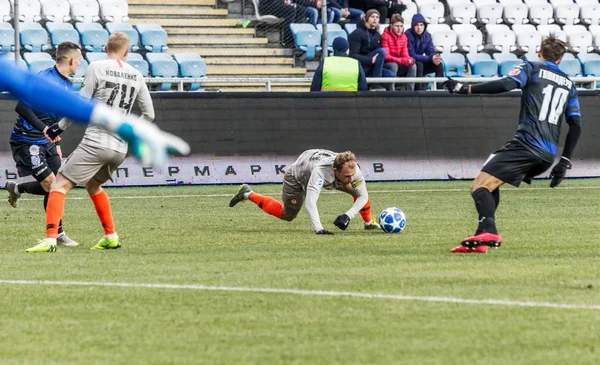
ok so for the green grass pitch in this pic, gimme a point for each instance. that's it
(177, 236)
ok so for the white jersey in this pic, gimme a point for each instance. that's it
(118, 85)
(314, 171)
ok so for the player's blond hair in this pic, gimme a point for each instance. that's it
(117, 43)
(343, 158)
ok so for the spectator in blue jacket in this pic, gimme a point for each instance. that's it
(420, 47)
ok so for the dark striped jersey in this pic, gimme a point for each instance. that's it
(548, 95)
(26, 133)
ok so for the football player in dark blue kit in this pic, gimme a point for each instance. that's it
(548, 94)
(36, 155)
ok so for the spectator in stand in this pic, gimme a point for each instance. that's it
(386, 8)
(420, 47)
(289, 11)
(365, 46)
(395, 43)
(340, 72)
(342, 11)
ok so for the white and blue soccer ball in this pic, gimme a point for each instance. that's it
(392, 220)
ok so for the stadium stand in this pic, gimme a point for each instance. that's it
(114, 11)
(62, 32)
(37, 61)
(191, 65)
(33, 37)
(136, 60)
(162, 65)
(126, 28)
(56, 11)
(7, 40)
(85, 11)
(5, 11)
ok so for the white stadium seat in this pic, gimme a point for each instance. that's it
(580, 40)
(411, 10)
(546, 30)
(114, 11)
(433, 13)
(433, 28)
(516, 14)
(529, 42)
(556, 3)
(85, 11)
(521, 28)
(541, 14)
(479, 3)
(490, 13)
(464, 13)
(58, 11)
(461, 28)
(5, 11)
(29, 11)
(470, 41)
(445, 42)
(531, 3)
(586, 2)
(590, 14)
(420, 3)
(567, 14)
(595, 31)
(503, 41)
(451, 3)
(509, 2)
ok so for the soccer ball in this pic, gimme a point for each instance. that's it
(392, 220)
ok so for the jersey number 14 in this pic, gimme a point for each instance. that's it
(552, 106)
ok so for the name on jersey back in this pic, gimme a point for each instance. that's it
(120, 74)
(560, 80)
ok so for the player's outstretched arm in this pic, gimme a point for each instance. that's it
(148, 143)
(491, 87)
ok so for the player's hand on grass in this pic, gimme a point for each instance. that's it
(324, 231)
(559, 171)
(342, 222)
(454, 86)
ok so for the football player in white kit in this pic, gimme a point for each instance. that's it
(313, 171)
(100, 152)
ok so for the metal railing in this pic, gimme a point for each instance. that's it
(585, 83)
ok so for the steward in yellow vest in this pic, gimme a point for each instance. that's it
(340, 72)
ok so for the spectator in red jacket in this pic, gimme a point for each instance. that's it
(395, 43)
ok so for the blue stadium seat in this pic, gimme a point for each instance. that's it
(7, 40)
(162, 65)
(95, 56)
(585, 57)
(11, 56)
(350, 28)
(94, 40)
(34, 39)
(507, 66)
(38, 61)
(485, 68)
(153, 37)
(476, 57)
(571, 67)
(136, 60)
(454, 64)
(87, 26)
(333, 31)
(307, 39)
(591, 68)
(191, 65)
(6, 26)
(134, 37)
(501, 57)
(62, 32)
(80, 73)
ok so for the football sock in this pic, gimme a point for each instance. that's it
(266, 203)
(365, 212)
(54, 212)
(102, 205)
(486, 206)
(60, 227)
(31, 187)
(496, 195)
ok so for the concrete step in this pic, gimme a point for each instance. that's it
(171, 31)
(196, 11)
(176, 22)
(234, 52)
(255, 71)
(173, 2)
(221, 41)
(248, 61)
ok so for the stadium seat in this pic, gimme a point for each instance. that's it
(38, 61)
(56, 11)
(586, 57)
(29, 11)
(460, 28)
(411, 10)
(134, 38)
(502, 39)
(476, 57)
(433, 12)
(580, 41)
(595, 31)
(567, 14)
(307, 39)
(590, 14)
(531, 3)
(516, 14)
(350, 28)
(434, 28)
(334, 31)
(268, 19)
(138, 62)
(541, 14)
(153, 37)
(162, 65)
(95, 56)
(523, 28)
(510, 2)
(80, 73)
(445, 42)
(506, 62)
(586, 2)
(548, 29)
(114, 11)
(454, 64)
(529, 42)
(490, 13)
(61, 32)
(571, 67)
(556, 3)
(591, 68)
(463, 13)
(470, 41)
(7, 40)
(34, 39)
(191, 65)
(485, 68)
(11, 56)
(5, 11)
(93, 40)
(85, 11)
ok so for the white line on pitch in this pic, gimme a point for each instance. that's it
(325, 192)
(325, 293)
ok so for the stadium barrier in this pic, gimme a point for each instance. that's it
(253, 137)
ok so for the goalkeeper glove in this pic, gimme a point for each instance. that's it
(54, 131)
(324, 231)
(559, 171)
(454, 86)
(342, 222)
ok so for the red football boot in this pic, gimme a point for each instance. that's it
(483, 239)
(463, 249)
